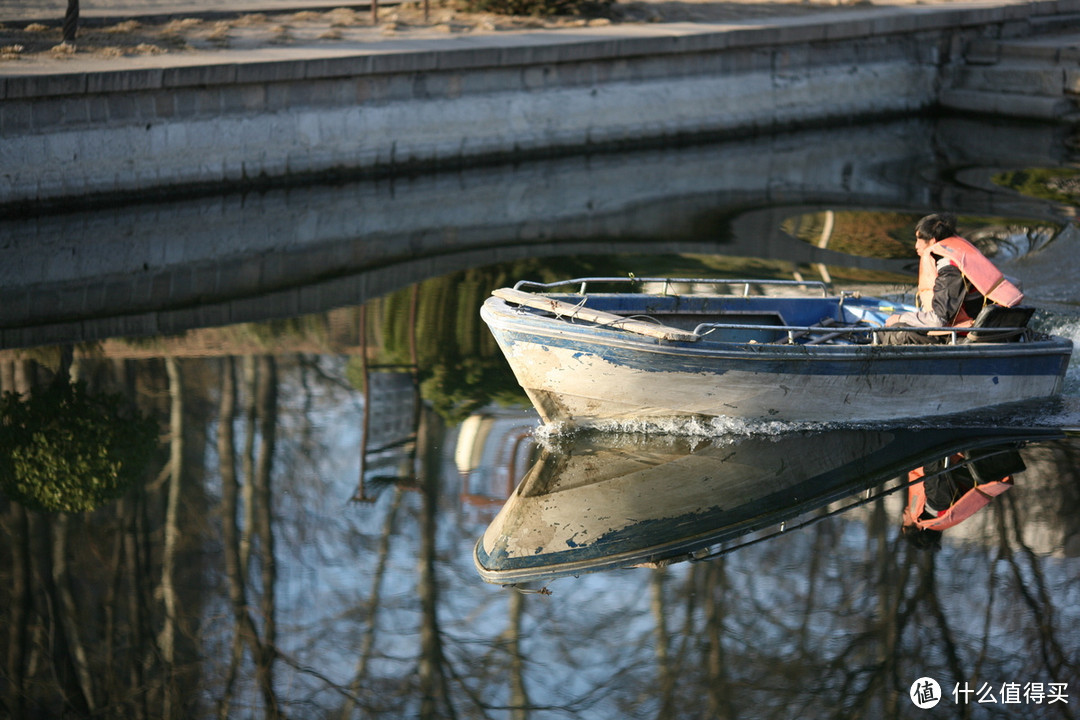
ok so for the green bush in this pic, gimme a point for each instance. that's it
(64, 449)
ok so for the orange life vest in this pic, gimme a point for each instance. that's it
(969, 503)
(976, 269)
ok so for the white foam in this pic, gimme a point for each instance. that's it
(1069, 327)
(713, 428)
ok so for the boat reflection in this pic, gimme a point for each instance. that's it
(601, 501)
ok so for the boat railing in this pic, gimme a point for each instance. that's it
(746, 285)
(870, 334)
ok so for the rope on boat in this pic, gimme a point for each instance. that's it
(574, 313)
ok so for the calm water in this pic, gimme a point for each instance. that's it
(338, 429)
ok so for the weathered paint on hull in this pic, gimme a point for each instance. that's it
(583, 375)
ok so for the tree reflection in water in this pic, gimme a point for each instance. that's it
(253, 586)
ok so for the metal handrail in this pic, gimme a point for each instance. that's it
(583, 283)
(836, 330)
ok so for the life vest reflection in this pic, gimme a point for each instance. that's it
(944, 493)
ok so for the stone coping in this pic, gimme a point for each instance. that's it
(509, 49)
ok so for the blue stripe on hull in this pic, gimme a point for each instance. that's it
(1034, 360)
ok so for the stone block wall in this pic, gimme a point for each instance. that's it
(162, 130)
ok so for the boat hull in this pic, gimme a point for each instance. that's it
(584, 375)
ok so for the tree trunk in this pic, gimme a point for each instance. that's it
(167, 636)
(263, 522)
(71, 21)
(720, 700)
(68, 611)
(666, 676)
(519, 695)
(19, 612)
(248, 463)
(14, 378)
(139, 603)
(230, 490)
(432, 673)
(367, 643)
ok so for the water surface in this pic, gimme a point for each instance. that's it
(338, 429)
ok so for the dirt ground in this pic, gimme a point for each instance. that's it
(345, 26)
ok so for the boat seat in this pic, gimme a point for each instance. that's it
(1013, 319)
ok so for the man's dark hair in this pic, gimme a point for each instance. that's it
(937, 226)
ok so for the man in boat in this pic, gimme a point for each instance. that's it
(955, 282)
